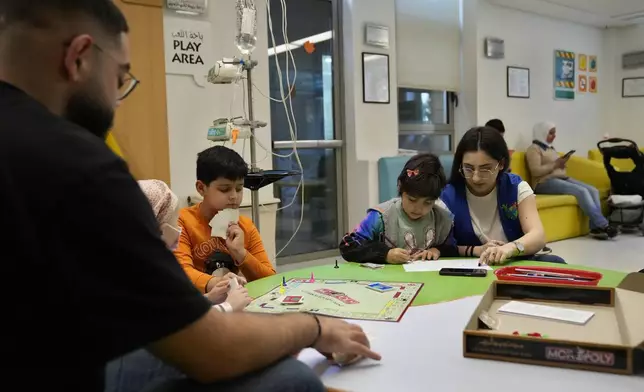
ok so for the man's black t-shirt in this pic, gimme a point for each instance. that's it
(85, 276)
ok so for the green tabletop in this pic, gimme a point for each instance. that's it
(436, 289)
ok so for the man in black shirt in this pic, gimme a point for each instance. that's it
(86, 277)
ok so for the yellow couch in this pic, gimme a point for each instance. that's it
(560, 214)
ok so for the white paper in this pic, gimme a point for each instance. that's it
(518, 82)
(548, 312)
(437, 265)
(375, 78)
(219, 224)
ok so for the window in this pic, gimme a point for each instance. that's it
(425, 120)
(319, 140)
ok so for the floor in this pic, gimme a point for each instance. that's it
(625, 253)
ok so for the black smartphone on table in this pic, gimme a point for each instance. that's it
(470, 272)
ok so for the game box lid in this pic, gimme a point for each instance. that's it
(548, 275)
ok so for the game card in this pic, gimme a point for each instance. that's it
(380, 287)
(219, 224)
(293, 300)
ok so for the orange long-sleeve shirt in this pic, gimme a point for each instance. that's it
(196, 245)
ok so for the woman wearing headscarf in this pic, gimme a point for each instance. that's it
(548, 172)
(134, 371)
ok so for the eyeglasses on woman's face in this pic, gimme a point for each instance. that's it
(485, 172)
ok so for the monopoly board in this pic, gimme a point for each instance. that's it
(350, 299)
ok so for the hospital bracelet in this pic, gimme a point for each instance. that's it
(224, 307)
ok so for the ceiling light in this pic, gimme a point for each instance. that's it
(314, 39)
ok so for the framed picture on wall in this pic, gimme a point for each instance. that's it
(375, 78)
(633, 87)
(518, 82)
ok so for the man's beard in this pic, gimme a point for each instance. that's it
(86, 111)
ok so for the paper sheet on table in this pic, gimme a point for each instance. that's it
(574, 316)
(437, 265)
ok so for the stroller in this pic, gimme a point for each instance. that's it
(626, 208)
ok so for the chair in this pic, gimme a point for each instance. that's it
(389, 169)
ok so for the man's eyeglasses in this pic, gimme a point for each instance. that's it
(127, 85)
(484, 174)
(129, 82)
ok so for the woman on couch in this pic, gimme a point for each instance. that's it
(495, 212)
(548, 172)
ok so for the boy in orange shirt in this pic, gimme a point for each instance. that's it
(220, 181)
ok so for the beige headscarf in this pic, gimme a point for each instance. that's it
(163, 201)
(540, 131)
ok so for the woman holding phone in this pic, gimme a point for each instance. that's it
(548, 172)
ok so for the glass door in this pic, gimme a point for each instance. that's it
(318, 216)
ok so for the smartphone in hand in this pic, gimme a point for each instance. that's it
(569, 154)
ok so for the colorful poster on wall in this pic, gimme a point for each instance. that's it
(582, 84)
(592, 84)
(564, 75)
(592, 63)
(583, 62)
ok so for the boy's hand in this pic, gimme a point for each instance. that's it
(235, 242)
(218, 290)
(240, 279)
(398, 256)
(239, 299)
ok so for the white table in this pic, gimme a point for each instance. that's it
(425, 352)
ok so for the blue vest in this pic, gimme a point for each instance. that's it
(507, 188)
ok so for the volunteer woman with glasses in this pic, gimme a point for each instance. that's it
(495, 212)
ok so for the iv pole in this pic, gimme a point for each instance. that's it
(254, 193)
(225, 72)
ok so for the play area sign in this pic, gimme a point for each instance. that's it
(188, 48)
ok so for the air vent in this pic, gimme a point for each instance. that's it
(633, 60)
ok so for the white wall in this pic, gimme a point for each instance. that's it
(624, 117)
(371, 130)
(529, 42)
(466, 112)
(427, 41)
(191, 109)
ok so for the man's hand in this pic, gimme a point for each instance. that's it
(235, 242)
(338, 336)
(398, 256)
(217, 290)
(239, 299)
(430, 254)
(497, 255)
